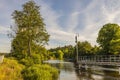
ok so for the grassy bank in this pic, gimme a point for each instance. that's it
(11, 69)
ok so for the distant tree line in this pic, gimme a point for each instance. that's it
(108, 40)
(62, 52)
(69, 51)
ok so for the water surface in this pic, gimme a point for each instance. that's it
(68, 72)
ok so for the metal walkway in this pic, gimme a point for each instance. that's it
(100, 60)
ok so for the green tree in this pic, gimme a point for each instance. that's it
(29, 29)
(95, 50)
(67, 50)
(19, 48)
(84, 48)
(60, 53)
(109, 38)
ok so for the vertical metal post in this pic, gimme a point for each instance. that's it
(76, 48)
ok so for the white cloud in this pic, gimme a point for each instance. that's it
(53, 27)
(61, 35)
(4, 30)
(111, 13)
(96, 14)
(49, 15)
(4, 48)
(73, 22)
(5, 41)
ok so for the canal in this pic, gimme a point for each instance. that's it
(68, 72)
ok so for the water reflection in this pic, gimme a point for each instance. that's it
(68, 72)
(98, 75)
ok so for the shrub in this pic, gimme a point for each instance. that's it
(10, 69)
(26, 61)
(34, 59)
(40, 72)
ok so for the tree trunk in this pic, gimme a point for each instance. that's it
(29, 47)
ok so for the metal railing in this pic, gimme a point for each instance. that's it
(100, 58)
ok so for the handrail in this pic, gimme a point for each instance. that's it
(100, 58)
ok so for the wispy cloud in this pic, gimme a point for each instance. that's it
(96, 14)
(51, 19)
(4, 30)
(83, 17)
(73, 21)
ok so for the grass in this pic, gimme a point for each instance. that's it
(10, 69)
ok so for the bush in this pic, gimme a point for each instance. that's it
(34, 59)
(10, 69)
(26, 61)
(40, 72)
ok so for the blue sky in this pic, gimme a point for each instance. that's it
(63, 19)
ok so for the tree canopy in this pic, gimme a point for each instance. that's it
(29, 29)
(109, 38)
(84, 48)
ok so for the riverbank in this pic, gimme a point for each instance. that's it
(12, 69)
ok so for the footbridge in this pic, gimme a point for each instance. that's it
(100, 60)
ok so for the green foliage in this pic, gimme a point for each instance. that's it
(10, 69)
(57, 54)
(109, 39)
(29, 37)
(84, 48)
(69, 52)
(60, 53)
(95, 50)
(19, 46)
(30, 22)
(115, 46)
(29, 31)
(41, 52)
(66, 52)
(29, 61)
(40, 72)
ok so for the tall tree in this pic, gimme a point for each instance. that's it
(109, 38)
(84, 48)
(30, 28)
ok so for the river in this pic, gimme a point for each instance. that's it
(68, 72)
